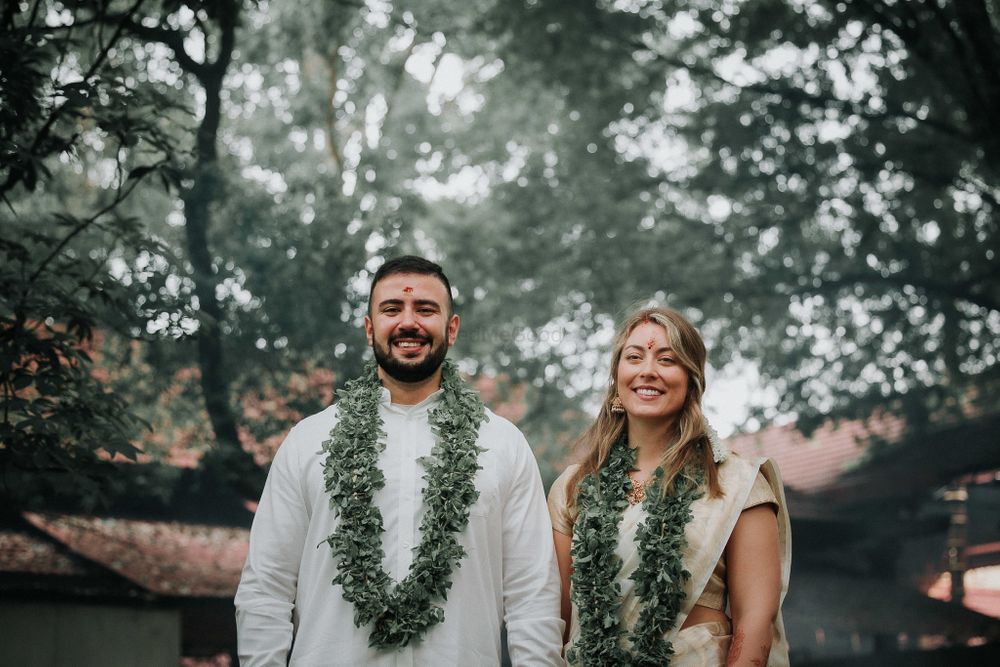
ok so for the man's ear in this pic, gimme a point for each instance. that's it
(453, 324)
(369, 331)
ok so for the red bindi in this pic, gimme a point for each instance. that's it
(407, 290)
(650, 343)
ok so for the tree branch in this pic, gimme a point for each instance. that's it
(816, 100)
(119, 197)
(330, 115)
(172, 39)
(398, 82)
(954, 291)
(944, 69)
(43, 132)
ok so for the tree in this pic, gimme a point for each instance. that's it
(215, 23)
(60, 85)
(764, 165)
(761, 165)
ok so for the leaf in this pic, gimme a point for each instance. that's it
(23, 381)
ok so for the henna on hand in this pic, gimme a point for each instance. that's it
(735, 649)
(765, 651)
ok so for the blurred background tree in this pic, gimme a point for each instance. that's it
(814, 183)
(65, 94)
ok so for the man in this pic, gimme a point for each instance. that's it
(423, 508)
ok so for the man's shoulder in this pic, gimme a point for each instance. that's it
(315, 427)
(495, 426)
(501, 437)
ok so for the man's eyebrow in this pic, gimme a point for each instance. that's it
(427, 302)
(418, 302)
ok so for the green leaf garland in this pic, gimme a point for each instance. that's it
(405, 612)
(659, 578)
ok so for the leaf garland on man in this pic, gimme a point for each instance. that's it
(403, 613)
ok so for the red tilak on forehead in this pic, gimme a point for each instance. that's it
(650, 343)
(407, 290)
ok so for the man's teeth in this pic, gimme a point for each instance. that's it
(408, 344)
(648, 392)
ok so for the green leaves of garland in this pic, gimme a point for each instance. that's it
(352, 479)
(659, 579)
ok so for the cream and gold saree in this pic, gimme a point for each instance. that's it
(712, 522)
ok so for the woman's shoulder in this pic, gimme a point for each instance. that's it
(739, 463)
(561, 510)
(754, 477)
(569, 471)
(559, 486)
(738, 470)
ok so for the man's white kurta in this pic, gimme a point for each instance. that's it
(288, 612)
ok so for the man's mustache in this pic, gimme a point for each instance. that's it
(403, 335)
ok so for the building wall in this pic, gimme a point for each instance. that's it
(52, 634)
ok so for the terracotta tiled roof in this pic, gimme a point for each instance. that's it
(813, 464)
(23, 553)
(166, 558)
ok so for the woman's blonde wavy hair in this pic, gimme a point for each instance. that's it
(690, 440)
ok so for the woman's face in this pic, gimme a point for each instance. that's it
(652, 383)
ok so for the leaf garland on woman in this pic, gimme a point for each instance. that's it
(659, 578)
(405, 612)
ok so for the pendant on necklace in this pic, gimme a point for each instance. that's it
(637, 493)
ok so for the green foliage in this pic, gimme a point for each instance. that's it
(765, 167)
(59, 422)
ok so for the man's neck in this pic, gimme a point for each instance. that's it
(410, 393)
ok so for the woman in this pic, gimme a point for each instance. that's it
(659, 525)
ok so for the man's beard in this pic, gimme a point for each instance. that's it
(402, 371)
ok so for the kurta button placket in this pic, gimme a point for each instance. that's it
(408, 445)
(406, 518)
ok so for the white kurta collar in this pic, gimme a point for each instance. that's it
(411, 410)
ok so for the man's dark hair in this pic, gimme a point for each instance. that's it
(411, 264)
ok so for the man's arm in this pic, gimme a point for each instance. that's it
(266, 595)
(531, 588)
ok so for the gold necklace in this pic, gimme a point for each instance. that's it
(637, 493)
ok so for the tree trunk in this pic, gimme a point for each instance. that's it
(237, 465)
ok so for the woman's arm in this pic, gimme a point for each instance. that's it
(563, 543)
(753, 570)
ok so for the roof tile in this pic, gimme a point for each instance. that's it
(167, 558)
